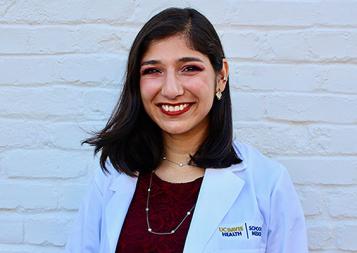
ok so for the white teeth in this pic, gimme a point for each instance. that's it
(170, 108)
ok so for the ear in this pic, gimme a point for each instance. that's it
(222, 76)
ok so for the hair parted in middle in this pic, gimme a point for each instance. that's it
(131, 140)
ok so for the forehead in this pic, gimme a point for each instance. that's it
(171, 48)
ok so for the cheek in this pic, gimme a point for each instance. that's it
(148, 90)
(202, 88)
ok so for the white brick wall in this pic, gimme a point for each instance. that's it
(294, 89)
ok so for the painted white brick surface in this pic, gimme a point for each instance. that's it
(293, 74)
(46, 231)
(14, 231)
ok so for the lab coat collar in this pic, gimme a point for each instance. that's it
(123, 187)
(218, 192)
(219, 189)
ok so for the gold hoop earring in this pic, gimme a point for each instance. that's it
(219, 94)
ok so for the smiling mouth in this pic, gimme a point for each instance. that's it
(176, 109)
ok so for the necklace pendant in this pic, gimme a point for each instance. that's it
(180, 164)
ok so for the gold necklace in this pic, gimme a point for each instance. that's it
(180, 164)
(147, 210)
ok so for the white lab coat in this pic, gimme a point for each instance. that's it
(250, 207)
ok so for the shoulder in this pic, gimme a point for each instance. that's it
(268, 181)
(103, 180)
(268, 184)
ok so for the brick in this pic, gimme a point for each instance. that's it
(341, 202)
(246, 45)
(339, 78)
(40, 134)
(312, 78)
(37, 40)
(68, 103)
(242, 108)
(99, 104)
(279, 139)
(292, 107)
(70, 196)
(340, 13)
(346, 237)
(276, 13)
(5, 6)
(322, 170)
(45, 12)
(74, 39)
(281, 13)
(273, 139)
(144, 10)
(321, 236)
(333, 140)
(311, 108)
(263, 77)
(15, 134)
(312, 200)
(42, 101)
(70, 135)
(62, 69)
(11, 231)
(312, 46)
(21, 248)
(47, 231)
(342, 42)
(308, 46)
(27, 196)
(45, 163)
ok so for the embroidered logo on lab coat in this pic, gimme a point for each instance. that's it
(248, 231)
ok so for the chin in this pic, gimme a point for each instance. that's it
(174, 130)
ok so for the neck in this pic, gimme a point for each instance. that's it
(178, 148)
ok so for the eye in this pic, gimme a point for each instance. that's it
(191, 68)
(149, 71)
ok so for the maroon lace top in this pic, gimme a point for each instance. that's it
(169, 203)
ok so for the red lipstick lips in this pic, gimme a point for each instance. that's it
(175, 109)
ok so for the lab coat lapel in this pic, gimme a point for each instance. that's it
(123, 187)
(218, 192)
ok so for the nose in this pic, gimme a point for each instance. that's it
(171, 87)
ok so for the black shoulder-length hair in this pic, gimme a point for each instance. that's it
(131, 140)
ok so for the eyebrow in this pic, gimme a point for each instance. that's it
(183, 59)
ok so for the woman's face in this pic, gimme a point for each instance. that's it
(177, 86)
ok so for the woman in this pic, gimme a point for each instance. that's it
(174, 180)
